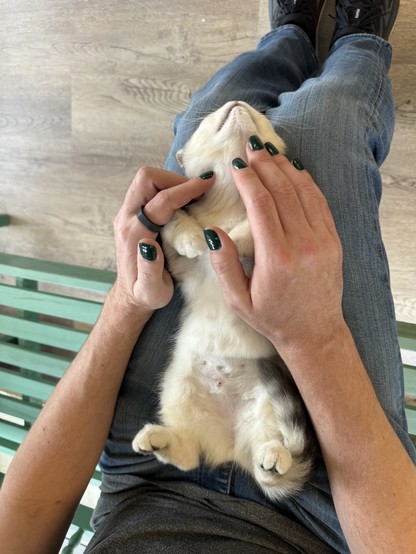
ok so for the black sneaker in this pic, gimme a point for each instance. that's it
(376, 17)
(304, 13)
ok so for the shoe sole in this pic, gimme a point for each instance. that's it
(320, 10)
(395, 20)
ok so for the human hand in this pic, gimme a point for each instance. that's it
(142, 281)
(294, 293)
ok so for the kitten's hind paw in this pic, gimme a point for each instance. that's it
(169, 446)
(150, 439)
(272, 460)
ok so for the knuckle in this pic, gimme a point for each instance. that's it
(159, 206)
(163, 197)
(123, 234)
(144, 172)
(233, 303)
(118, 223)
(324, 204)
(147, 276)
(261, 201)
(283, 187)
(284, 164)
(310, 249)
(281, 160)
(307, 186)
(337, 249)
(221, 266)
(121, 229)
(282, 258)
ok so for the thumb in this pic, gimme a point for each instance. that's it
(230, 273)
(153, 287)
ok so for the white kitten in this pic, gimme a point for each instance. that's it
(226, 395)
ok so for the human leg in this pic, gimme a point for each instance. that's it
(340, 125)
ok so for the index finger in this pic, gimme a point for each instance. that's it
(147, 182)
(262, 214)
(281, 187)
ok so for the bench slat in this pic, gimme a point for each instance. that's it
(82, 517)
(28, 386)
(410, 379)
(46, 303)
(19, 408)
(407, 335)
(44, 333)
(411, 421)
(57, 273)
(42, 362)
(11, 432)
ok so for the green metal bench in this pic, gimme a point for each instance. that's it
(44, 320)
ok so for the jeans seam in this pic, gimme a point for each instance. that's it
(380, 79)
(372, 117)
(230, 477)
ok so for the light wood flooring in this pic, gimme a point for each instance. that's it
(88, 92)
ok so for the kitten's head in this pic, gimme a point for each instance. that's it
(221, 137)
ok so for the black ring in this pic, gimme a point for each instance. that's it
(144, 220)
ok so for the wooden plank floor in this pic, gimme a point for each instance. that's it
(88, 92)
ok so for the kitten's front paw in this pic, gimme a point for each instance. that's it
(272, 460)
(192, 244)
(185, 235)
(169, 446)
(243, 240)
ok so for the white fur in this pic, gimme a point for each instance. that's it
(213, 403)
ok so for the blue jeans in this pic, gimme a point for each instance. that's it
(339, 122)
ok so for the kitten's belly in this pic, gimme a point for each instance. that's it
(234, 377)
(223, 337)
(227, 391)
(209, 327)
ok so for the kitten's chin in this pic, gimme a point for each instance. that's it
(227, 108)
(236, 136)
(237, 122)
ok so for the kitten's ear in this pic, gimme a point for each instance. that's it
(179, 157)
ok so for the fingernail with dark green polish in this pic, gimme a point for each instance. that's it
(298, 164)
(271, 149)
(255, 143)
(238, 163)
(207, 175)
(212, 238)
(148, 251)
